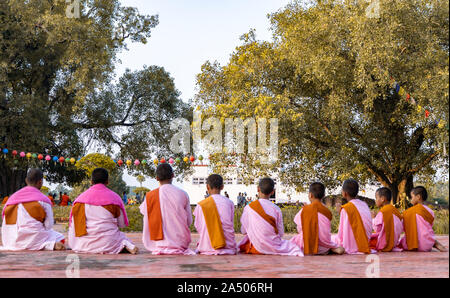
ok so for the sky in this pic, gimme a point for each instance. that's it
(191, 32)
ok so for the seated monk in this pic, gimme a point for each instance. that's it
(355, 225)
(387, 225)
(95, 219)
(314, 225)
(167, 217)
(418, 221)
(28, 218)
(262, 226)
(214, 221)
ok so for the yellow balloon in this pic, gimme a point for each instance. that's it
(156, 161)
(72, 160)
(28, 155)
(129, 162)
(186, 159)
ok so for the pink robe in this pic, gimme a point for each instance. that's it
(380, 234)
(425, 234)
(325, 242)
(103, 234)
(28, 233)
(345, 237)
(225, 207)
(262, 235)
(176, 219)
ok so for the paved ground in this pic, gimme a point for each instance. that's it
(54, 264)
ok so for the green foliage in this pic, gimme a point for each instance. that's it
(58, 93)
(326, 77)
(92, 161)
(441, 222)
(45, 190)
(141, 190)
(289, 212)
(135, 218)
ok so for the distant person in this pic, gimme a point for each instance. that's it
(226, 194)
(418, 221)
(96, 217)
(125, 198)
(355, 226)
(314, 225)
(65, 200)
(50, 196)
(214, 221)
(206, 194)
(167, 217)
(138, 198)
(28, 218)
(387, 225)
(240, 200)
(262, 226)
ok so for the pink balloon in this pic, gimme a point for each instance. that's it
(171, 161)
(137, 162)
(48, 158)
(22, 154)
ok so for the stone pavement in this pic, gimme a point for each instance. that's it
(54, 264)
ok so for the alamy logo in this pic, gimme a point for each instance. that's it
(73, 9)
(207, 134)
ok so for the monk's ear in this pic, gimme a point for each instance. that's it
(221, 188)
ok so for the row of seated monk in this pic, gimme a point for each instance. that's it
(98, 214)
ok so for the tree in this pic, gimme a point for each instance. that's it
(58, 95)
(45, 190)
(326, 76)
(140, 179)
(92, 161)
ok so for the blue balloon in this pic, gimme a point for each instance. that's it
(5, 151)
(55, 158)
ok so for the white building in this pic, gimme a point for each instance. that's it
(195, 186)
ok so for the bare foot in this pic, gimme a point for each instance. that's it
(132, 251)
(338, 250)
(440, 247)
(59, 246)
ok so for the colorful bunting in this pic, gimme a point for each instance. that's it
(402, 92)
(67, 160)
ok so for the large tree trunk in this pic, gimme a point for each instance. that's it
(401, 190)
(11, 180)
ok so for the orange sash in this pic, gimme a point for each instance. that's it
(388, 220)
(256, 206)
(248, 248)
(310, 225)
(213, 223)
(409, 221)
(358, 229)
(79, 217)
(154, 215)
(34, 209)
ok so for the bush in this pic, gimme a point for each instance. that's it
(441, 222)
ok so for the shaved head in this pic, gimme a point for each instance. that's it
(34, 178)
